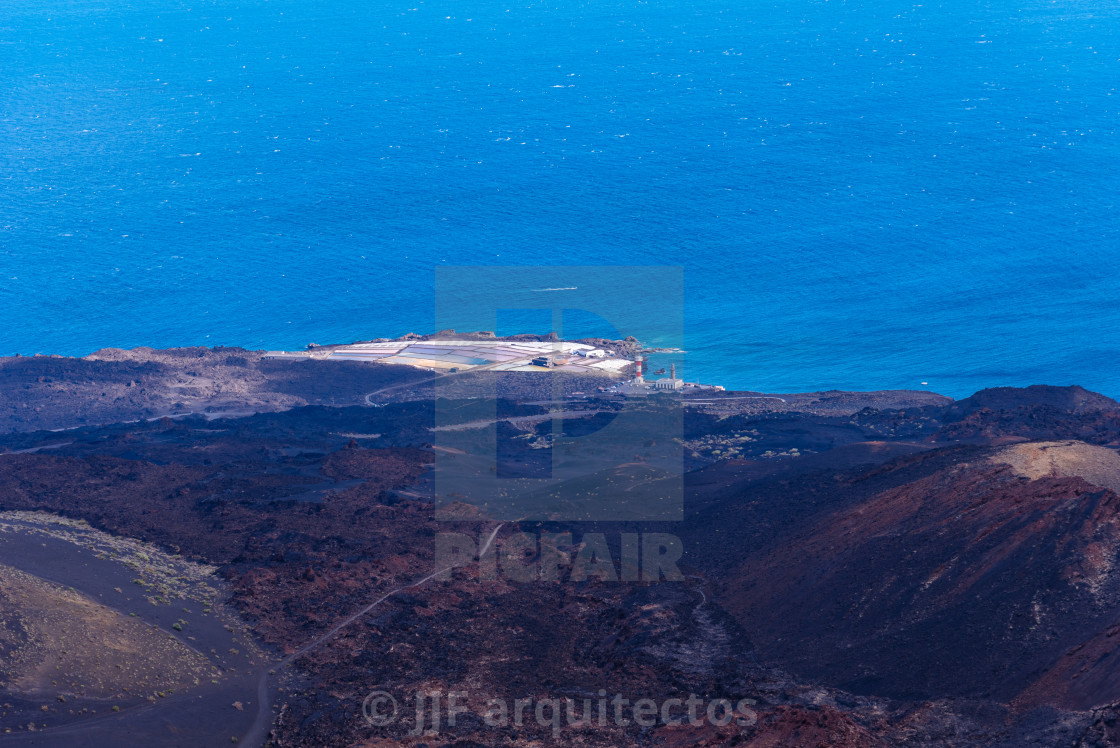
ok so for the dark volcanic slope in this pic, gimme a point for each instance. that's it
(1036, 412)
(309, 527)
(109, 386)
(965, 582)
(1074, 399)
(964, 571)
(112, 386)
(950, 565)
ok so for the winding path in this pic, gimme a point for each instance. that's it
(259, 730)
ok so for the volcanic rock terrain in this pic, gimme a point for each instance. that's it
(866, 568)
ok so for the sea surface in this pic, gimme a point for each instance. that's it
(862, 195)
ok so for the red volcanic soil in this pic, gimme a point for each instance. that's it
(279, 552)
(967, 581)
(780, 727)
(827, 726)
(919, 571)
(859, 576)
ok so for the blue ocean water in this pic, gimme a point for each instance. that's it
(863, 195)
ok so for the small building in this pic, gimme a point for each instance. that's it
(670, 382)
(544, 361)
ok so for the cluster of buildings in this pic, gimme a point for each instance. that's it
(665, 383)
(451, 356)
(551, 360)
(639, 385)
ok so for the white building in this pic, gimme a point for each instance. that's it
(671, 382)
